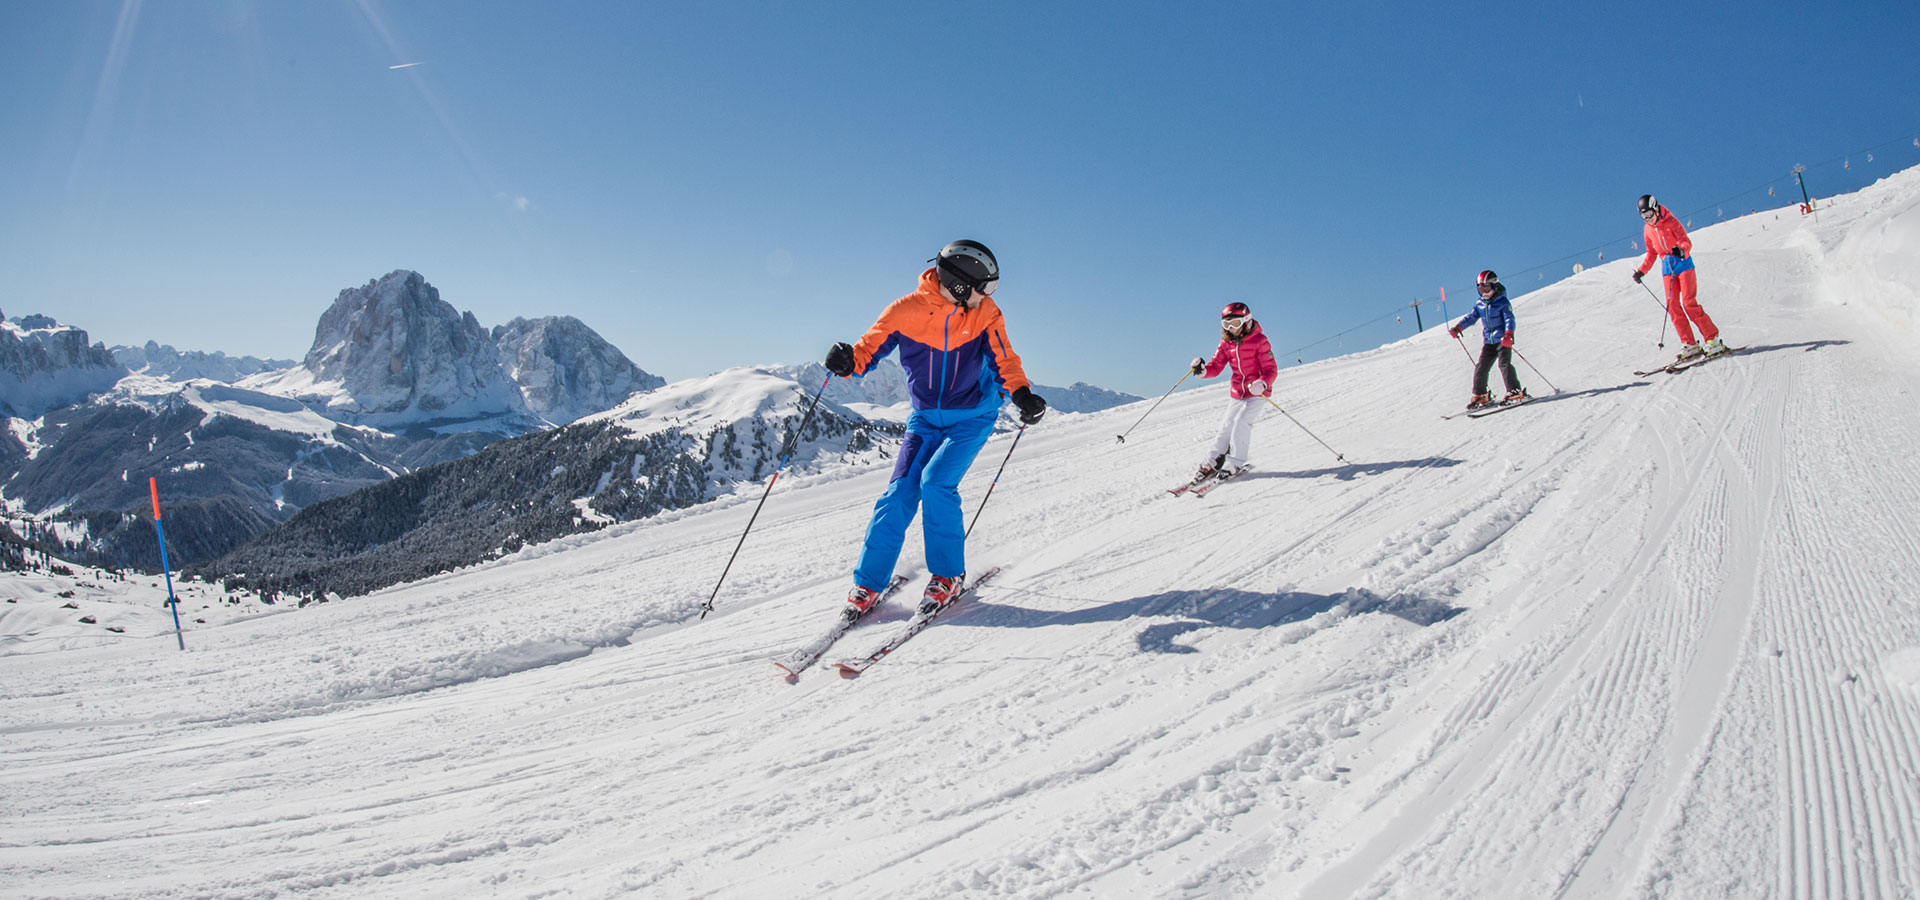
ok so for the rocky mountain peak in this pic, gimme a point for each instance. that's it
(45, 365)
(391, 351)
(565, 370)
(163, 361)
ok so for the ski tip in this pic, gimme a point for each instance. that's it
(787, 675)
(846, 671)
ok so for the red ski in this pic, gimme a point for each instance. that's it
(850, 668)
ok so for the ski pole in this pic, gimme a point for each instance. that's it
(173, 602)
(1663, 314)
(792, 443)
(1122, 438)
(1310, 434)
(1463, 349)
(996, 480)
(1516, 352)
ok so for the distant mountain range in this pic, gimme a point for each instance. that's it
(410, 439)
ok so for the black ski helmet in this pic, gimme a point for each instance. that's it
(1649, 206)
(1486, 277)
(965, 267)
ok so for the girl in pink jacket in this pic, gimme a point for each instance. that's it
(1244, 348)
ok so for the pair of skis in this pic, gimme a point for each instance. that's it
(1670, 368)
(1688, 363)
(1200, 486)
(1489, 409)
(792, 664)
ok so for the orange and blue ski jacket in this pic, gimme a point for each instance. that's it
(956, 358)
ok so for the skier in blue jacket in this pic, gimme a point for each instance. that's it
(1495, 315)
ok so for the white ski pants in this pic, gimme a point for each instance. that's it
(1236, 430)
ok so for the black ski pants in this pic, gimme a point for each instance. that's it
(1488, 354)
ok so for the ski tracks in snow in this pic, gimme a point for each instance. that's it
(1739, 590)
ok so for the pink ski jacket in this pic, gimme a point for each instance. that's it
(1251, 358)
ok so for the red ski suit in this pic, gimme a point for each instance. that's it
(1663, 235)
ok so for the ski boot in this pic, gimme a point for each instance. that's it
(939, 593)
(1715, 347)
(859, 601)
(1516, 396)
(1480, 401)
(1210, 468)
(1689, 352)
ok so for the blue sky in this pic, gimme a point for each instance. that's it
(718, 184)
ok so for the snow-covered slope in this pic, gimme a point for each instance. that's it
(1650, 637)
(62, 605)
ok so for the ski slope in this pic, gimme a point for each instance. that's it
(1652, 637)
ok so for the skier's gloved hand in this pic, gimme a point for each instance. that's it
(1258, 388)
(1506, 340)
(1198, 365)
(1031, 406)
(1637, 275)
(1453, 332)
(1679, 253)
(840, 359)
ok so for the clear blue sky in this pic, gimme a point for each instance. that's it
(718, 184)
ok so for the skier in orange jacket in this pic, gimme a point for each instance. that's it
(953, 345)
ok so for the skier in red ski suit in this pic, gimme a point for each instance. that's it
(1667, 239)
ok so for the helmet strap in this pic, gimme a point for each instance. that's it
(961, 294)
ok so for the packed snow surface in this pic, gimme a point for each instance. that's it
(1645, 637)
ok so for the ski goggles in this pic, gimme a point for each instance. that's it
(1235, 323)
(1650, 214)
(953, 276)
(1486, 290)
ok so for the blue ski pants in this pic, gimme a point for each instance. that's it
(939, 448)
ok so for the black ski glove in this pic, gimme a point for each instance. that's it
(840, 359)
(1679, 253)
(1031, 406)
(1637, 275)
(1198, 365)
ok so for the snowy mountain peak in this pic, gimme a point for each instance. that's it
(45, 365)
(163, 361)
(391, 352)
(565, 370)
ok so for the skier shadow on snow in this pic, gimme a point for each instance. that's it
(1216, 608)
(1351, 471)
(1803, 346)
(1589, 392)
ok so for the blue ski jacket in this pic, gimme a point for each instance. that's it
(1495, 316)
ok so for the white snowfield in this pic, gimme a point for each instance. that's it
(1653, 637)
